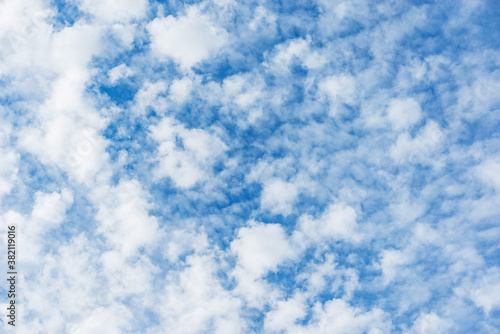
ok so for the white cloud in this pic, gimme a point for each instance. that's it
(65, 279)
(286, 314)
(316, 279)
(60, 142)
(23, 26)
(403, 113)
(48, 212)
(488, 172)
(300, 49)
(180, 89)
(265, 170)
(132, 276)
(278, 197)
(188, 39)
(345, 319)
(431, 323)
(479, 98)
(464, 258)
(50, 209)
(423, 233)
(124, 217)
(406, 210)
(65, 126)
(262, 247)
(391, 263)
(73, 48)
(189, 162)
(245, 91)
(259, 249)
(486, 292)
(150, 95)
(338, 222)
(340, 89)
(421, 148)
(119, 72)
(113, 320)
(184, 241)
(193, 301)
(264, 20)
(8, 170)
(125, 34)
(10, 161)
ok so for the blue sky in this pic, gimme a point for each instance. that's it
(252, 167)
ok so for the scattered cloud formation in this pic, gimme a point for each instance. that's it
(251, 167)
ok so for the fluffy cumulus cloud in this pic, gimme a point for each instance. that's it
(218, 166)
(186, 156)
(403, 113)
(187, 39)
